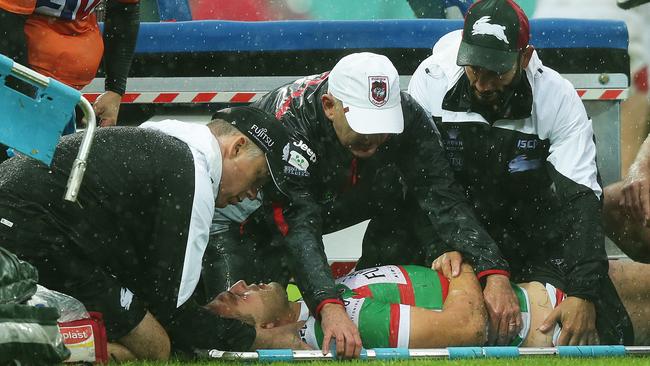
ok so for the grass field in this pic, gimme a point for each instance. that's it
(532, 361)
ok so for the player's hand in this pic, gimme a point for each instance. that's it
(503, 309)
(578, 319)
(336, 324)
(449, 264)
(635, 199)
(106, 107)
(285, 336)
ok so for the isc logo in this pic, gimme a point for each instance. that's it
(527, 144)
(75, 335)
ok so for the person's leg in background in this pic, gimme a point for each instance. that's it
(632, 281)
(628, 234)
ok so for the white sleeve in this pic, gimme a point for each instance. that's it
(573, 150)
(428, 86)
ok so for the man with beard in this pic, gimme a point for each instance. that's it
(520, 141)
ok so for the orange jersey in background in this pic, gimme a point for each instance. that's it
(63, 40)
(25, 7)
(69, 51)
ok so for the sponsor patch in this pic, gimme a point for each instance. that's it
(6, 222)
(304, 147)
(530, 144)
(292, 170)
(373, 275)
(260, 134)
(298, 161)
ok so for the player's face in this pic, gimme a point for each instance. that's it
(488, 86)
(242, 178)
(253, 304)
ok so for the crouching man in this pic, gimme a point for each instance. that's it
(131, 246)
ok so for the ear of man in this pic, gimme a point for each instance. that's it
(235, 147)
(527, 54)
(329, 105)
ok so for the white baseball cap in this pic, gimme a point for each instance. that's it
(368, 86)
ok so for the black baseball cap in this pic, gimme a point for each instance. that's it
(266, 132)
(494, 33)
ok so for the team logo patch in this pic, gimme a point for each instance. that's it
(378, 90)
(285, 152)
(484, 27)
(521, 163)
(453, 133)
(126, 297)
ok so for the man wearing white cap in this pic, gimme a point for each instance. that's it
(361, 150)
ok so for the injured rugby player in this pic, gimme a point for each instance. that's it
(416, 307)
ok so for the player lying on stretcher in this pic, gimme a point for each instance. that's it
(416, 307)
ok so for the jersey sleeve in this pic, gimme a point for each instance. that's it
(120, 34)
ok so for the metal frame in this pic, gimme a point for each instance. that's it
(288, 355)
(79, 164)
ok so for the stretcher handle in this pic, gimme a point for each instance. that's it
(288, 355)
(79, 164)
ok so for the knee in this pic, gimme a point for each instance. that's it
(148, 340)
(159, 352)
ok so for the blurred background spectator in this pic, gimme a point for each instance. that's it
(261, 10)
(634, 110)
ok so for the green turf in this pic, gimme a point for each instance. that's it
(532, 361)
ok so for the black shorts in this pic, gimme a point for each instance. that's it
(34, 237)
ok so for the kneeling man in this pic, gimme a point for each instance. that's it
(131, 246)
